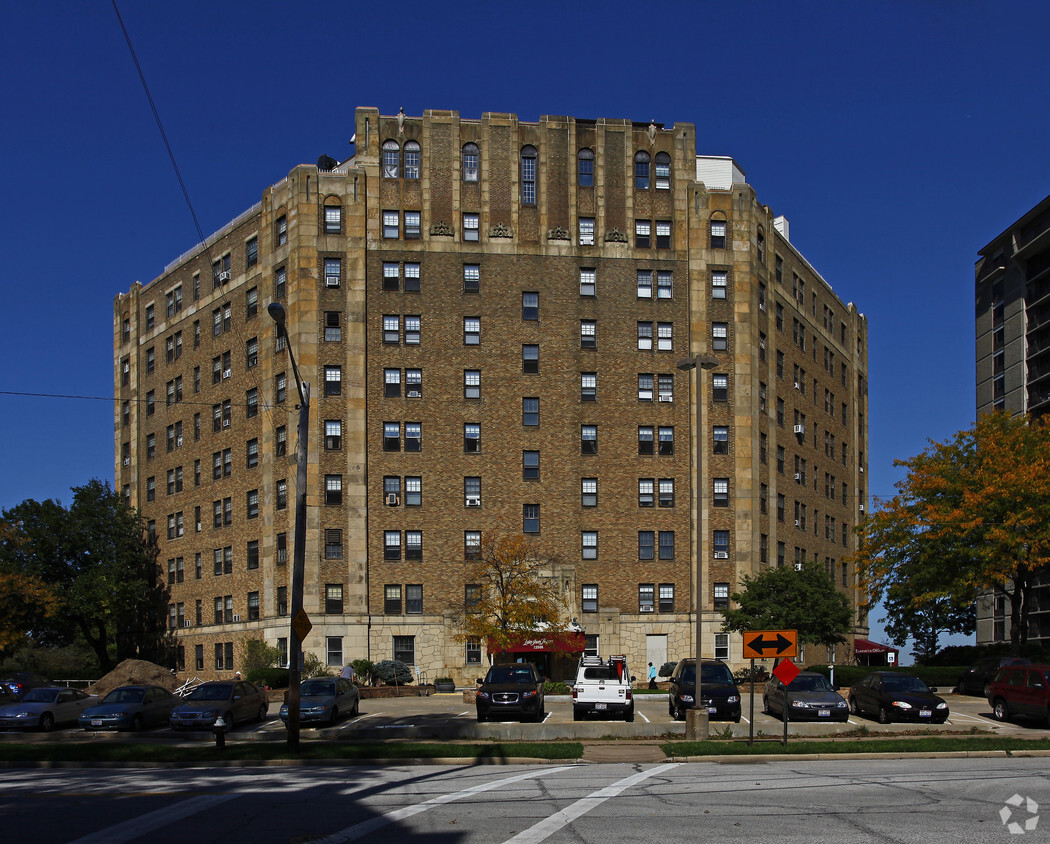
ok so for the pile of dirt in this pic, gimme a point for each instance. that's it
(136, 672)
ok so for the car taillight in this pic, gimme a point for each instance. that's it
(629, 694)
(575, 692)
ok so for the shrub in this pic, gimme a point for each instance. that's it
(313, 667)
(556, 687)
(257, 656)
(667, 669)
(364, 670)
(274, 678)
(392, 671)
(444, 680)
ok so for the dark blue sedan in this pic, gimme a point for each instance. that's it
(130, 708)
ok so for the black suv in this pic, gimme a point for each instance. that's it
(976, 679)
(511, 689)
(718, 690)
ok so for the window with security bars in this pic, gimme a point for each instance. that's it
(405, 649)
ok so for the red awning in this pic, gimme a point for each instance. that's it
(866, 646)
(572, 643)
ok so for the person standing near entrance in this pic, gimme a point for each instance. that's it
(652, 676)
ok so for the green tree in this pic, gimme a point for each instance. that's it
(257, 656)
(783, 598)
(102, 567)
(517, 593)
(971, 514)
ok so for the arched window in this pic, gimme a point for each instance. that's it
(663, 171)
(641, 171)
(528, 175)
(412, 159)
(585, 161)
(391, 159)
(471, 162)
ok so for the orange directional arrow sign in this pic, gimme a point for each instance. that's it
(761, 644)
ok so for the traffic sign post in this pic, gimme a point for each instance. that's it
(763, 644)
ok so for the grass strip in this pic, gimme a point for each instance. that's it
(257, 751)
(923, 744)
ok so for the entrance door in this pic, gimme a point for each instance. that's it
(655, 651)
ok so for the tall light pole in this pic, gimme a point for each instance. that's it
(698, 725)
(298, 617)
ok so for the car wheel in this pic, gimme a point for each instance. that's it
(1000, 709)
(628, 716)
(577, 715)
(986, 690)
(334, 717)
(884, 715)
(357, 708)
(481, 717)
(136, 724)
(736, 720)
(670, 707)
(228, 718)
(47, 722)
(262, 712)
(853, 706)
(765, 707)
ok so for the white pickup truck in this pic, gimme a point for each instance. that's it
(603, 686)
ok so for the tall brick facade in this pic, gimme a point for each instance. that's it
(490, 316)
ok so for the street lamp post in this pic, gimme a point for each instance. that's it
(698, 725)
(276, 311)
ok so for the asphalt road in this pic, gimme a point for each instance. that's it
(924, 800)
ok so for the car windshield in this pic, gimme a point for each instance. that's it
(317, 688)
(40, 696)
(219, 692)
(811, 684)
(904, 683)
(708, 674)
(125, 696)
(509, 674)
(600, 672)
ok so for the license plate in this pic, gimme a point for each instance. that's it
(96, 722)
(925, 713)
(599, 706)
(712, 710)
(823, 713)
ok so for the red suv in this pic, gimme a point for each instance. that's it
(1021, 690)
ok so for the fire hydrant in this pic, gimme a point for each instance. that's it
(219, 731)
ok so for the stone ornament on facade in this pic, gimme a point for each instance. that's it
(615, 236)
(501, 230)
(558, 233)
(441, 229)
(401, 121)
(652, 133)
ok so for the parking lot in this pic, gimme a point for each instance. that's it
(450, 716)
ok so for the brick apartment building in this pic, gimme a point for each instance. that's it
(491, 315)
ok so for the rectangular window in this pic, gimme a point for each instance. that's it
(667, 492)
(333, 544)
(281, 495)
(280, 286)
(721, 595)
(530, 359)
(645, 597)
(472, 331)
(642, 234)
(719, 336)
(530, 465)
(413, 491)
(333, 380)
(645, 439)
(718, 234)
(471, 278)
(645, 284)
(663, 234)
(253, 503)
(530, 518)
(645, 386)
(333, 598)
(645, 336)
(392, 383)
(588, 386)
(530, 306)
(646, 540)
(665, 436)
(405, 649)
(391, 225)
(721, 439)
(333, 489)
(472, 384)
(666, 596)
(411, 277)
(589, 545)
(413, 225)
(665, 336)
(333, 332)
(719, 284)
(588, 439)
(721, 492)
(414, 599)
(589, 597)
(471, 551)
(719, 387)
(471, 437)
(333, 272)
(471, 226)
(391, 545)
(587, 281)
(530, 411)
(333, 651)
(392, 599)
(333, 434)
(586, 231)
(666, 544)
(645, 492)
(664, 284)
(589, 492)
(473, 652)
(391, 276)
(588, 334)
(721, 544)
(333, 219)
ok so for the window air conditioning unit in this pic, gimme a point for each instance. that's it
(798, 523)
(798, 476)
(862, 468)
(236, 618)
(721, 555)
(473, 500)
(178, 442)
(225, 275)
(415, 394)
(226, 373)
(862, 508)
(331, 280)
(127, 461)
(392, 500)
(186, 623)
(796, 385)
(666, 397)
(800, 429)
(646, 609)
(225, 423)
(798, 566)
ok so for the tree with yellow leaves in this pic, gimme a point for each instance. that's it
(511, 593)
(26, 601)
(972, 514)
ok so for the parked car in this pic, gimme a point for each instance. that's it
(1021, 690)
(603, 687)
(718, 690)
(810, 697)
(977, 677)
(234, 700)
(130, 708)
(45, 707)
(511, 689)
(325, 699)
(20, 682)
(890, 696)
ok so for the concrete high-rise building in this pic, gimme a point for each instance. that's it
(492, 315)
(1012, 281)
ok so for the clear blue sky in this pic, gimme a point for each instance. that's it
(898, 138)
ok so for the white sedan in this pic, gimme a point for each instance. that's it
(46, 707)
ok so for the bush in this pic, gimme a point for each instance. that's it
(274, 678)
(364, 670)
(667, 669)
(258, 656)
(556, 687)
(313, 667)
(943, 678)
(393, 671)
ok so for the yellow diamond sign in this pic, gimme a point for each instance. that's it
(301, 624)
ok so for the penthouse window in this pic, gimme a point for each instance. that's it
(528, 175)
(333, 219)
(641, 170)
(718, 234)
(413, 156)
(663, 171)
(391, 159)
(281, 237)
(585, 168)
(471, 162)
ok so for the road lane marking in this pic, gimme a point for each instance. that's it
(352, 833)
(558, 820)
(147, 823)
